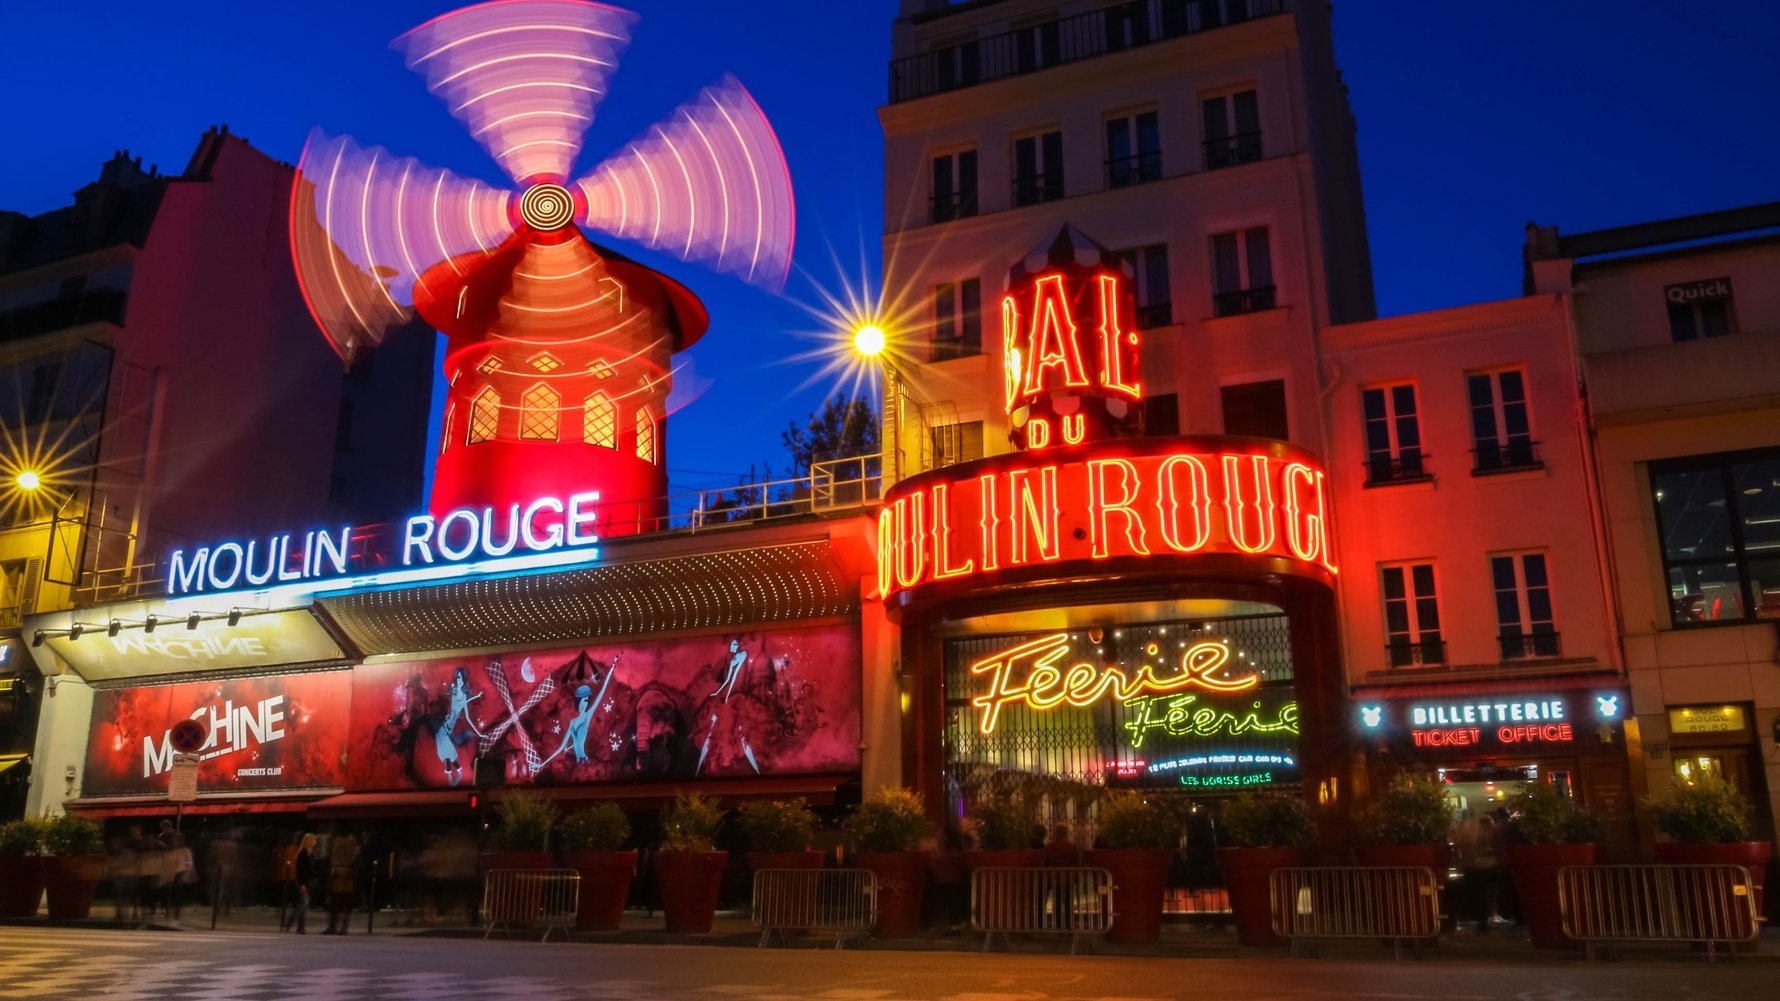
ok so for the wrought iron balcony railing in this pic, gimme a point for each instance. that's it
(1404, 467)
(1248, 300)
(945, 208)
(1530, 646)
(947, 348)
(1232, 150)
(1421, 653)
(1035, 188)
(1124, 171)
(1156, 314)
(1501, 456)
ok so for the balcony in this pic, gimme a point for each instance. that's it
(1504, 456)
(1248, 300)
(1035, 188)
(1530, 646)
(945, 208)
(1066, 40)
(1231, 151)
(1125, 171)
(1384, 468)
(1156, 314)
(1425, 653)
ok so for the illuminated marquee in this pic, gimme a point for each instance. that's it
(1494, 721)
(1153, 498)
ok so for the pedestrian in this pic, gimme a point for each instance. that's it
(175, 870)
(302, 874)
(1061, 850)
(342, 883)
(1504, 906)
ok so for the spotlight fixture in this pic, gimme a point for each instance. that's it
(75, 630)
(234, 616)
(148, 624)
(37, 638)
(191, 621)
(116, 626)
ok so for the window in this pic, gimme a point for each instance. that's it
(1699, 309)
(1038, 168)
(1393, 435)
(544, 362)
(1501, 436)
(645, 434)
(1232, 129)
(954, 186)
(1523, 606)
(1161, 414)
(1256, 408)
(954, 443)
(1133, 150)
(1037, 47)
(485, 416)
(599, 422)
(1127, 25)
(538, 417)
(1718, 520)
(957, 319)
(1242, 272)
(1155, 301)
(1411, 615)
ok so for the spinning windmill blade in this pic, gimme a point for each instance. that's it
(374, 235)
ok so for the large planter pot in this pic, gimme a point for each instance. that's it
(1751, 855)
(1011, 858)
(1246, 874)
(21, 885)
(72, 880)
(809, 859)
(605, 885)
(1535, 873)
(1140, 878)
(902, 886)
(689, 883)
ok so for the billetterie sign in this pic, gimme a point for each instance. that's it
(545, 526)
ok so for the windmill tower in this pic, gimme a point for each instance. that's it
(559, 351)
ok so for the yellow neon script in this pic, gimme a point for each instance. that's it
(1029, 673)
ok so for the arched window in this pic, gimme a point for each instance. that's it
(538, 417)
(645, 435)
(485, 416)
(599, 425)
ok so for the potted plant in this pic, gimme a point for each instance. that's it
(886, 831)
(1260, 834)
(1707, 823)
(1135, 840)
(21, 868)
(1003, 833)
(73, 864)
(779, 835)
(1408, 824)
(520, 839)
(688, 867)
(592, 843)
(1553, 831)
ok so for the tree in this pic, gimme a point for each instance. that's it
(842, 429)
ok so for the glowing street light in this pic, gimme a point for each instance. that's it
(869, 340)
(28, 480)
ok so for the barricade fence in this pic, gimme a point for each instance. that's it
(1710, 904)
(788, 901)
(1073, 901)
(1400, 903)
(528, 898)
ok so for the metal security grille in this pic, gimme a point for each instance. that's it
(1060, 758)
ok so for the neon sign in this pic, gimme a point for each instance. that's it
(1184, 716)
(1488, 721)
(1162, 499)
(549, 531)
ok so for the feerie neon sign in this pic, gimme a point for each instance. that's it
(548, 531)
(1146, 498)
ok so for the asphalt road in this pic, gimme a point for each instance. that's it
(204, 966)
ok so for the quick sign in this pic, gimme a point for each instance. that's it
(1704, 290)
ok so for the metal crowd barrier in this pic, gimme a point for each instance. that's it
(1657, 903)
(1073, 901)
(1401, 903)
(842, 901)
(527, 898)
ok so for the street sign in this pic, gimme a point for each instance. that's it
(188, 736)
(182, 787)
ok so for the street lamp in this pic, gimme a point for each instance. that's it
(28, 480)
(871, 343)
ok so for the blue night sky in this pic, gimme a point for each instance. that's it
(1474, 118)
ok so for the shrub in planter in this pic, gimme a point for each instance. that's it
(1708, 822)
(1408, 823)
(1003, 832)
(21, 868)
(592, 843)
(73, 864)
(1261, 833)
(1135, 840)
(520, 839)
(886, 831)
(779, 835)
(688, 867)
(1555, 831)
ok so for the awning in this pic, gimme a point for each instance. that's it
(158, 806)
(8, 760)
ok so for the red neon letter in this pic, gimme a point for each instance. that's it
(1304, 530)
(1168, 502)
(942, 537)
(1236, 509)
(1034, 515)
(1052, 342)
(1075, 428)
(988, 498)
(1010, 350)
(1038, 433)
(911, 540)
(886, 549)
(1112, 358)
(1102, 506)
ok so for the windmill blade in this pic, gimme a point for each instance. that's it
(523, 75)
(366, 226)
(709, 184)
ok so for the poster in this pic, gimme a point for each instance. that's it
(771, 702)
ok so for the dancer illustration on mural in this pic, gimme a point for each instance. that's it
(724, 717)
(575, 735)
(446, 737)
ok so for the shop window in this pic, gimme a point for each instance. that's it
(645, 434)
(1524, 624)
(1161, 414)
(1501, 433)
(1393, 434)
(1256, 408)
(954, 186)
(1718, 522)
(1133, 150)
(538, 413)
(1149, 269)
(1411, 615)
(955, 443)
(485, 416)
(1038, 168)
(1242, 272)
(1694, 768)
(957, 319)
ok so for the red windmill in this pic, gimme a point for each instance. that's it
(559, 351)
